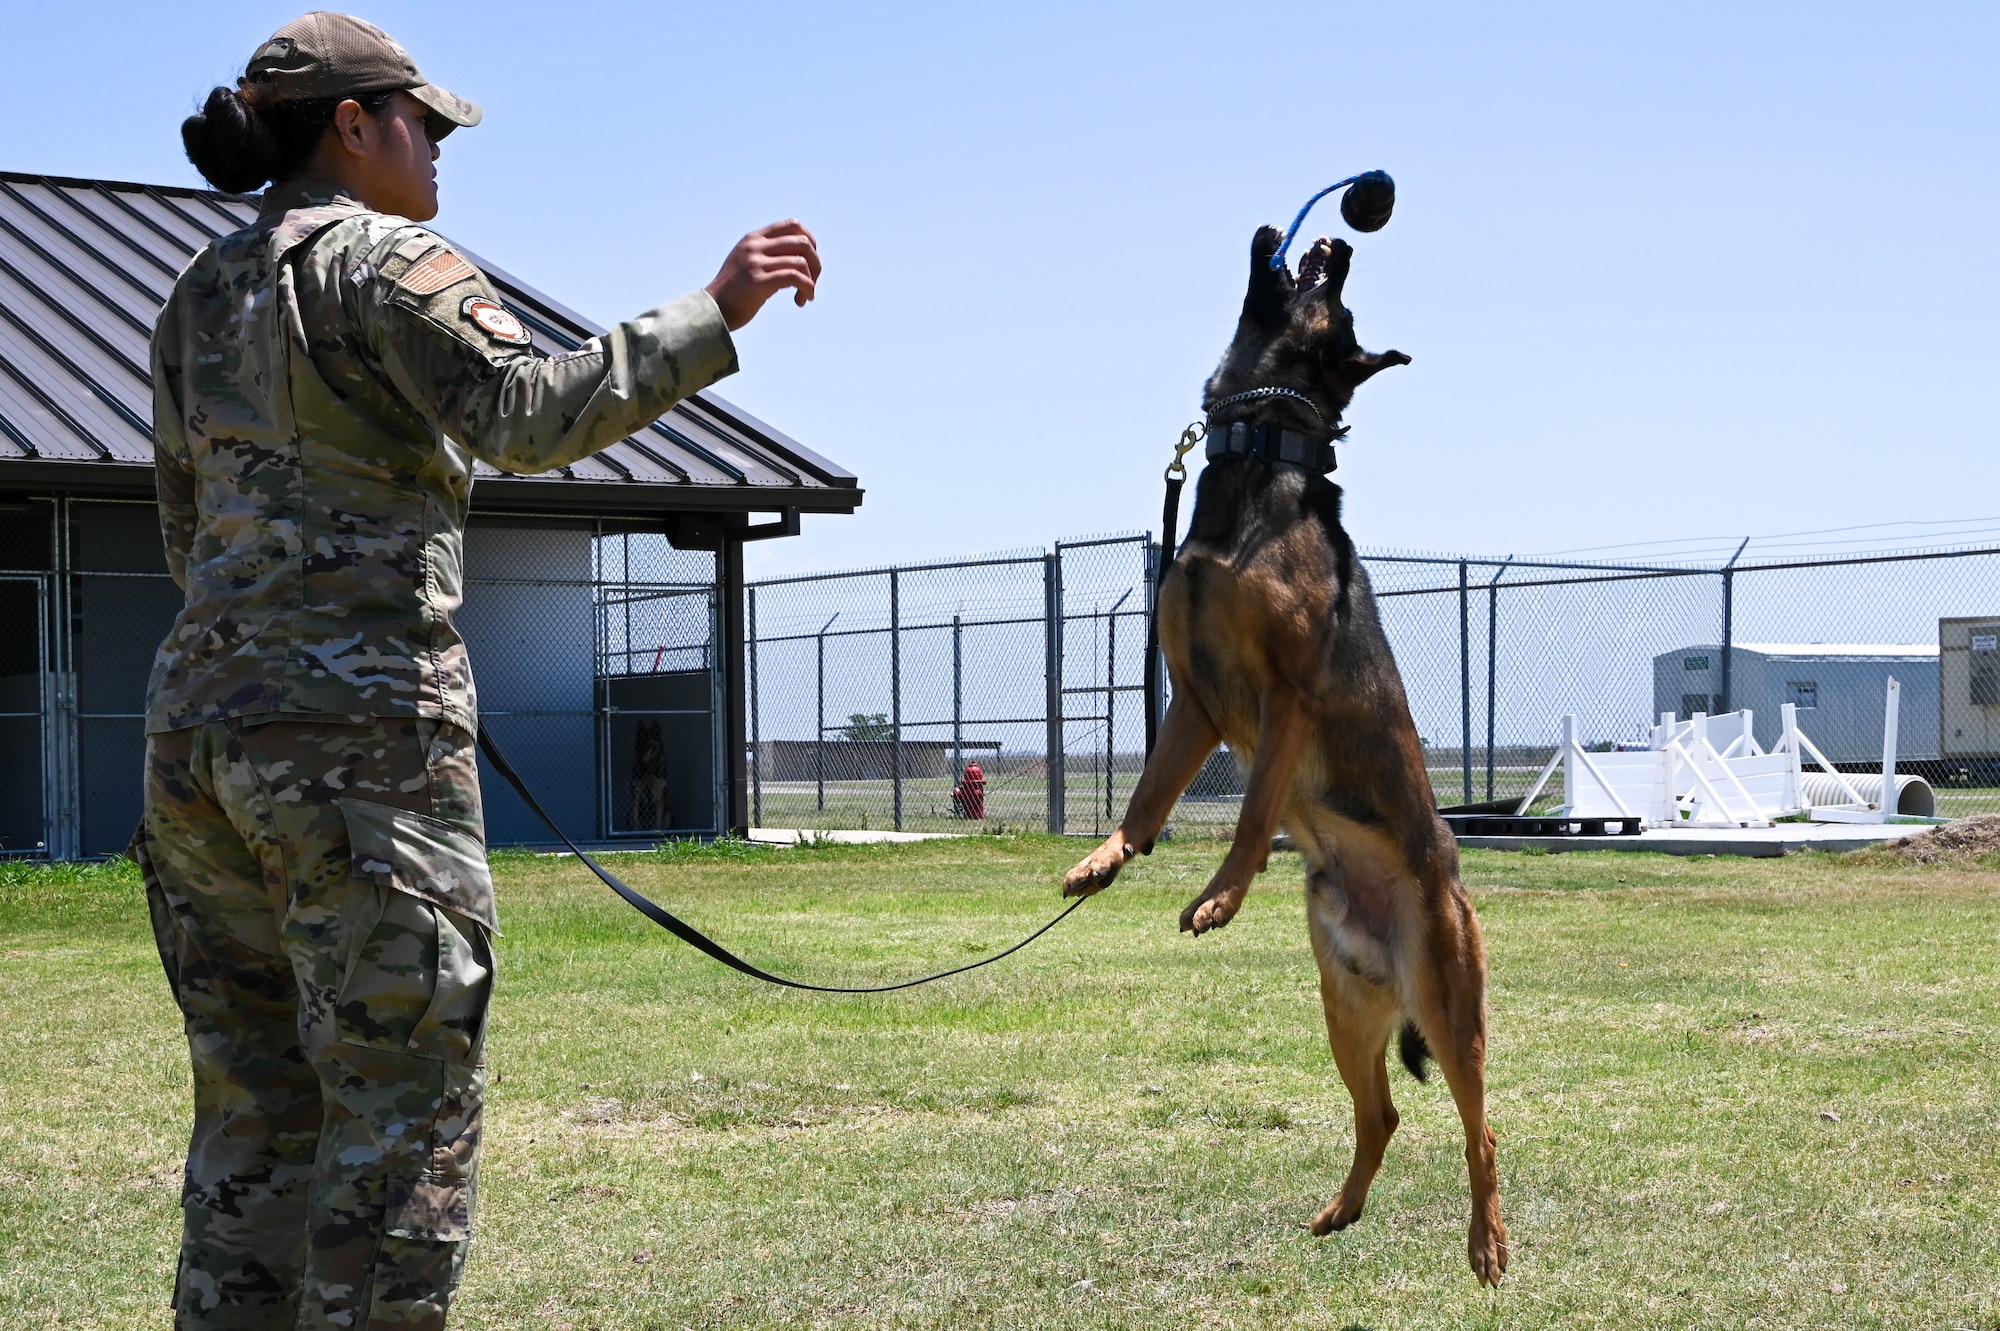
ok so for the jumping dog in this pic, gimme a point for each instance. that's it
(1273, 644)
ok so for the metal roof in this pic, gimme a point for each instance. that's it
(85, 266)
(1815, 651)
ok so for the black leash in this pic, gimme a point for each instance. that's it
(700, 941)
(1170, 521)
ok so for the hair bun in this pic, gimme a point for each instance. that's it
(229, 142)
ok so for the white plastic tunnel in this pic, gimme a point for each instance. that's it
(1914, 796)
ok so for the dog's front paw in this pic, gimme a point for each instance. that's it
(1095, 871)
(1212, 909)
(1338, 1215)
(1486, 1245)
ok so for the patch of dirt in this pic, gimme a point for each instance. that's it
(616, 1119)
(1960, 842)
(600, 1110)
(1036, 1203)
(609, 1118)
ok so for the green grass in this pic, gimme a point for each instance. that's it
(1120, 1126)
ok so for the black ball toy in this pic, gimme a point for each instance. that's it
(1370, 198)
(1369, 201)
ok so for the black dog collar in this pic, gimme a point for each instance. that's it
(1273, 444)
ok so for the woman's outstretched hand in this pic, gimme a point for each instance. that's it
(783, 254)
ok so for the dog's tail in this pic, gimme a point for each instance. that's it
(1410, 1044)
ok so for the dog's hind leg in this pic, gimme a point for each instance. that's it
(1282, 732)
(1186, 739)
(1358, 1030)
(1452, 1019)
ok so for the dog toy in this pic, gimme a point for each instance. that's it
(1366, 207)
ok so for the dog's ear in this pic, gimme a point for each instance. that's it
(1365, 365)
(1270, 288)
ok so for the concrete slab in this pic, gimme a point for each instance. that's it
(1783, 839)
(791, 836)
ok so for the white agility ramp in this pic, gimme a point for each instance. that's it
(1702, 772)
(1710, 772)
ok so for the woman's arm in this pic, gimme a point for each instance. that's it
(452, 348)
(173, 469)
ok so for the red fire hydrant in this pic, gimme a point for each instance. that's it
(968, 797)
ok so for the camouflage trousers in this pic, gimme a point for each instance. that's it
(320, 896)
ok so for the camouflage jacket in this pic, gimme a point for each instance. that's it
(322, 380)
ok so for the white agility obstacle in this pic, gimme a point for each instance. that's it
(1709, 771)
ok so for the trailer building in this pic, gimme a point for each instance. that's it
(1969, 688)
(1838, 688)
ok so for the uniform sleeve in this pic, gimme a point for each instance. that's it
(173, 468)
(452, 349)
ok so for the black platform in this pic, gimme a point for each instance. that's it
(1510, 824)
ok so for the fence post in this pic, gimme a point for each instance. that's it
(1492, 660)
(1728, 631)
(1111, 695)
(63, 819)
(736, 793)
(819, 755)
(756, 748)
(1465, 676)
(957, 701)
(896, 684)
(1052, 627)
(1721, 700)
(1492, 654)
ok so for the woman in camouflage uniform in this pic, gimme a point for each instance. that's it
(312, 844)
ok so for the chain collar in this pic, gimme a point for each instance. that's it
(1270, 442)
(1258, 394)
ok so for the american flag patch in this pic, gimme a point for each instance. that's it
(434, 273)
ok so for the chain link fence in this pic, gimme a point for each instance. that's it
(872, 692)
(1494, 652)
(593, 650)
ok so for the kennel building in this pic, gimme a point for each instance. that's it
(603, 606)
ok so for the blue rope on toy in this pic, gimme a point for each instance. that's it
(1278, 259)
(1366, 207)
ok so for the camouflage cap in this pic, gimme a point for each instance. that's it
(337, 55)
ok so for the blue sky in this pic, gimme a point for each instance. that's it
(1665, 271)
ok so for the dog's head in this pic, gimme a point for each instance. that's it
(1296, 334)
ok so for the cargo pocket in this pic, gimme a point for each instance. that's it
(431, 1207)
(419, 975)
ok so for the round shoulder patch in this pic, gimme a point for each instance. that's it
(495, 320)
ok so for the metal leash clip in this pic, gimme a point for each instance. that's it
(1191, 436)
